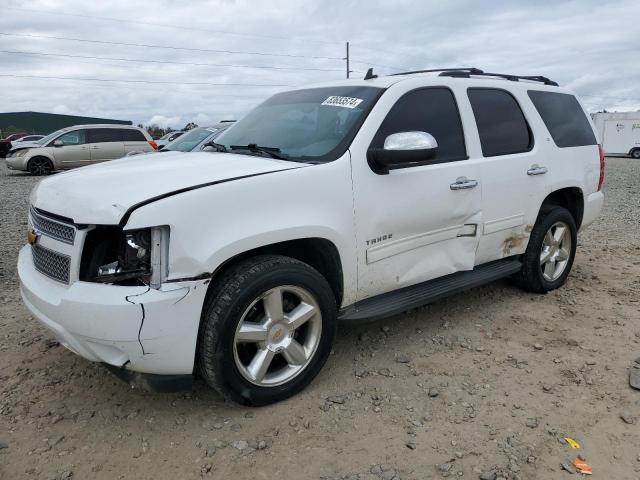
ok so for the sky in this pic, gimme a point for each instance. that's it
(220, 58)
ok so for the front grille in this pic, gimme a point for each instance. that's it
(52, 264)
(53, 228)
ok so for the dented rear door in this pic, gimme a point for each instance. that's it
(515, 168)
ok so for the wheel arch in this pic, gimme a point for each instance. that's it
(319, 253)
(571, 198)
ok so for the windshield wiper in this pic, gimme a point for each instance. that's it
(218, 146)
(273, 152)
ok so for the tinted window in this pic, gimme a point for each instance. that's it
(431, 110)
(77, 137)
(564, 118)
(130, 135)
(501, 124)
(104, 135)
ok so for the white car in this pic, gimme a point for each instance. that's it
(350, 200)
(27, 139)
(168, 138)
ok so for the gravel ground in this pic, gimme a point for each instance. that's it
(485, 384)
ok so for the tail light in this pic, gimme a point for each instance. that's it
(153, 144)
(601, 180)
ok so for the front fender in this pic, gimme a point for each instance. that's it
(213, 224)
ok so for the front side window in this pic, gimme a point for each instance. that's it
(564, 118)
(432, 110)
(77, 137)
(51, 137)
(315, 125)
(502, 126)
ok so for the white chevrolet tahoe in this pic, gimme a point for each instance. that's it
(351, 200)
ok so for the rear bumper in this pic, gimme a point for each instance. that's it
(592, 207)
(142, 329)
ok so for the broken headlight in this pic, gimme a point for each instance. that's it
(132, 257)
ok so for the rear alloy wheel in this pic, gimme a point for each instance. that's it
(556, 250)
(40, 166)
(636, 153)
(267, 329)
(547, 262)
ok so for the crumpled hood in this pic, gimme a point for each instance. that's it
(22, 146)
(102, 194)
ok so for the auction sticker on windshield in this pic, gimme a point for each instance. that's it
(347, 102)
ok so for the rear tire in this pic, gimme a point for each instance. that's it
(549, 256)
(40, 166)
(248, 351)
(635, 153)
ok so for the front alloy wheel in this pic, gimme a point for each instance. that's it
(266, 330)
(40, 166)
(277, 336)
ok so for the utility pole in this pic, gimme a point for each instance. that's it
(347, 59)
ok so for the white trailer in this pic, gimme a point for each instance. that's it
(619, 132)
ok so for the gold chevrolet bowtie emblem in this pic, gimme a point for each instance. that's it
(32, 236)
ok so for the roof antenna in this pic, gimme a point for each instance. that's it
(370, 74)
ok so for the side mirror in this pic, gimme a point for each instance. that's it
(403, 149)
(58, 143)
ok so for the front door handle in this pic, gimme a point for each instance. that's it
(537, 170)
(463, 183)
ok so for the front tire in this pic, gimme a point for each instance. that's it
(39, 166)
(635, 153)
(267, 329)
(549, 256)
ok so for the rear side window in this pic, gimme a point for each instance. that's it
(105, 135)
(130, 135)
(501, 124)
(564, 118)
(430, 110)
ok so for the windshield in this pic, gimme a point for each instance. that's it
(315, 125)
(190, 140)
(50, 137)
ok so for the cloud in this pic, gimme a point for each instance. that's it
(164, 122)
(62, 110)
(584, 44)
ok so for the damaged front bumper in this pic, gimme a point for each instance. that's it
(135, 329)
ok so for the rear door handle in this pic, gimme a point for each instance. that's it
(537, 170)
(462, 183)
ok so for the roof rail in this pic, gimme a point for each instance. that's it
(471, 70)
(467, 70)
(506, 76)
